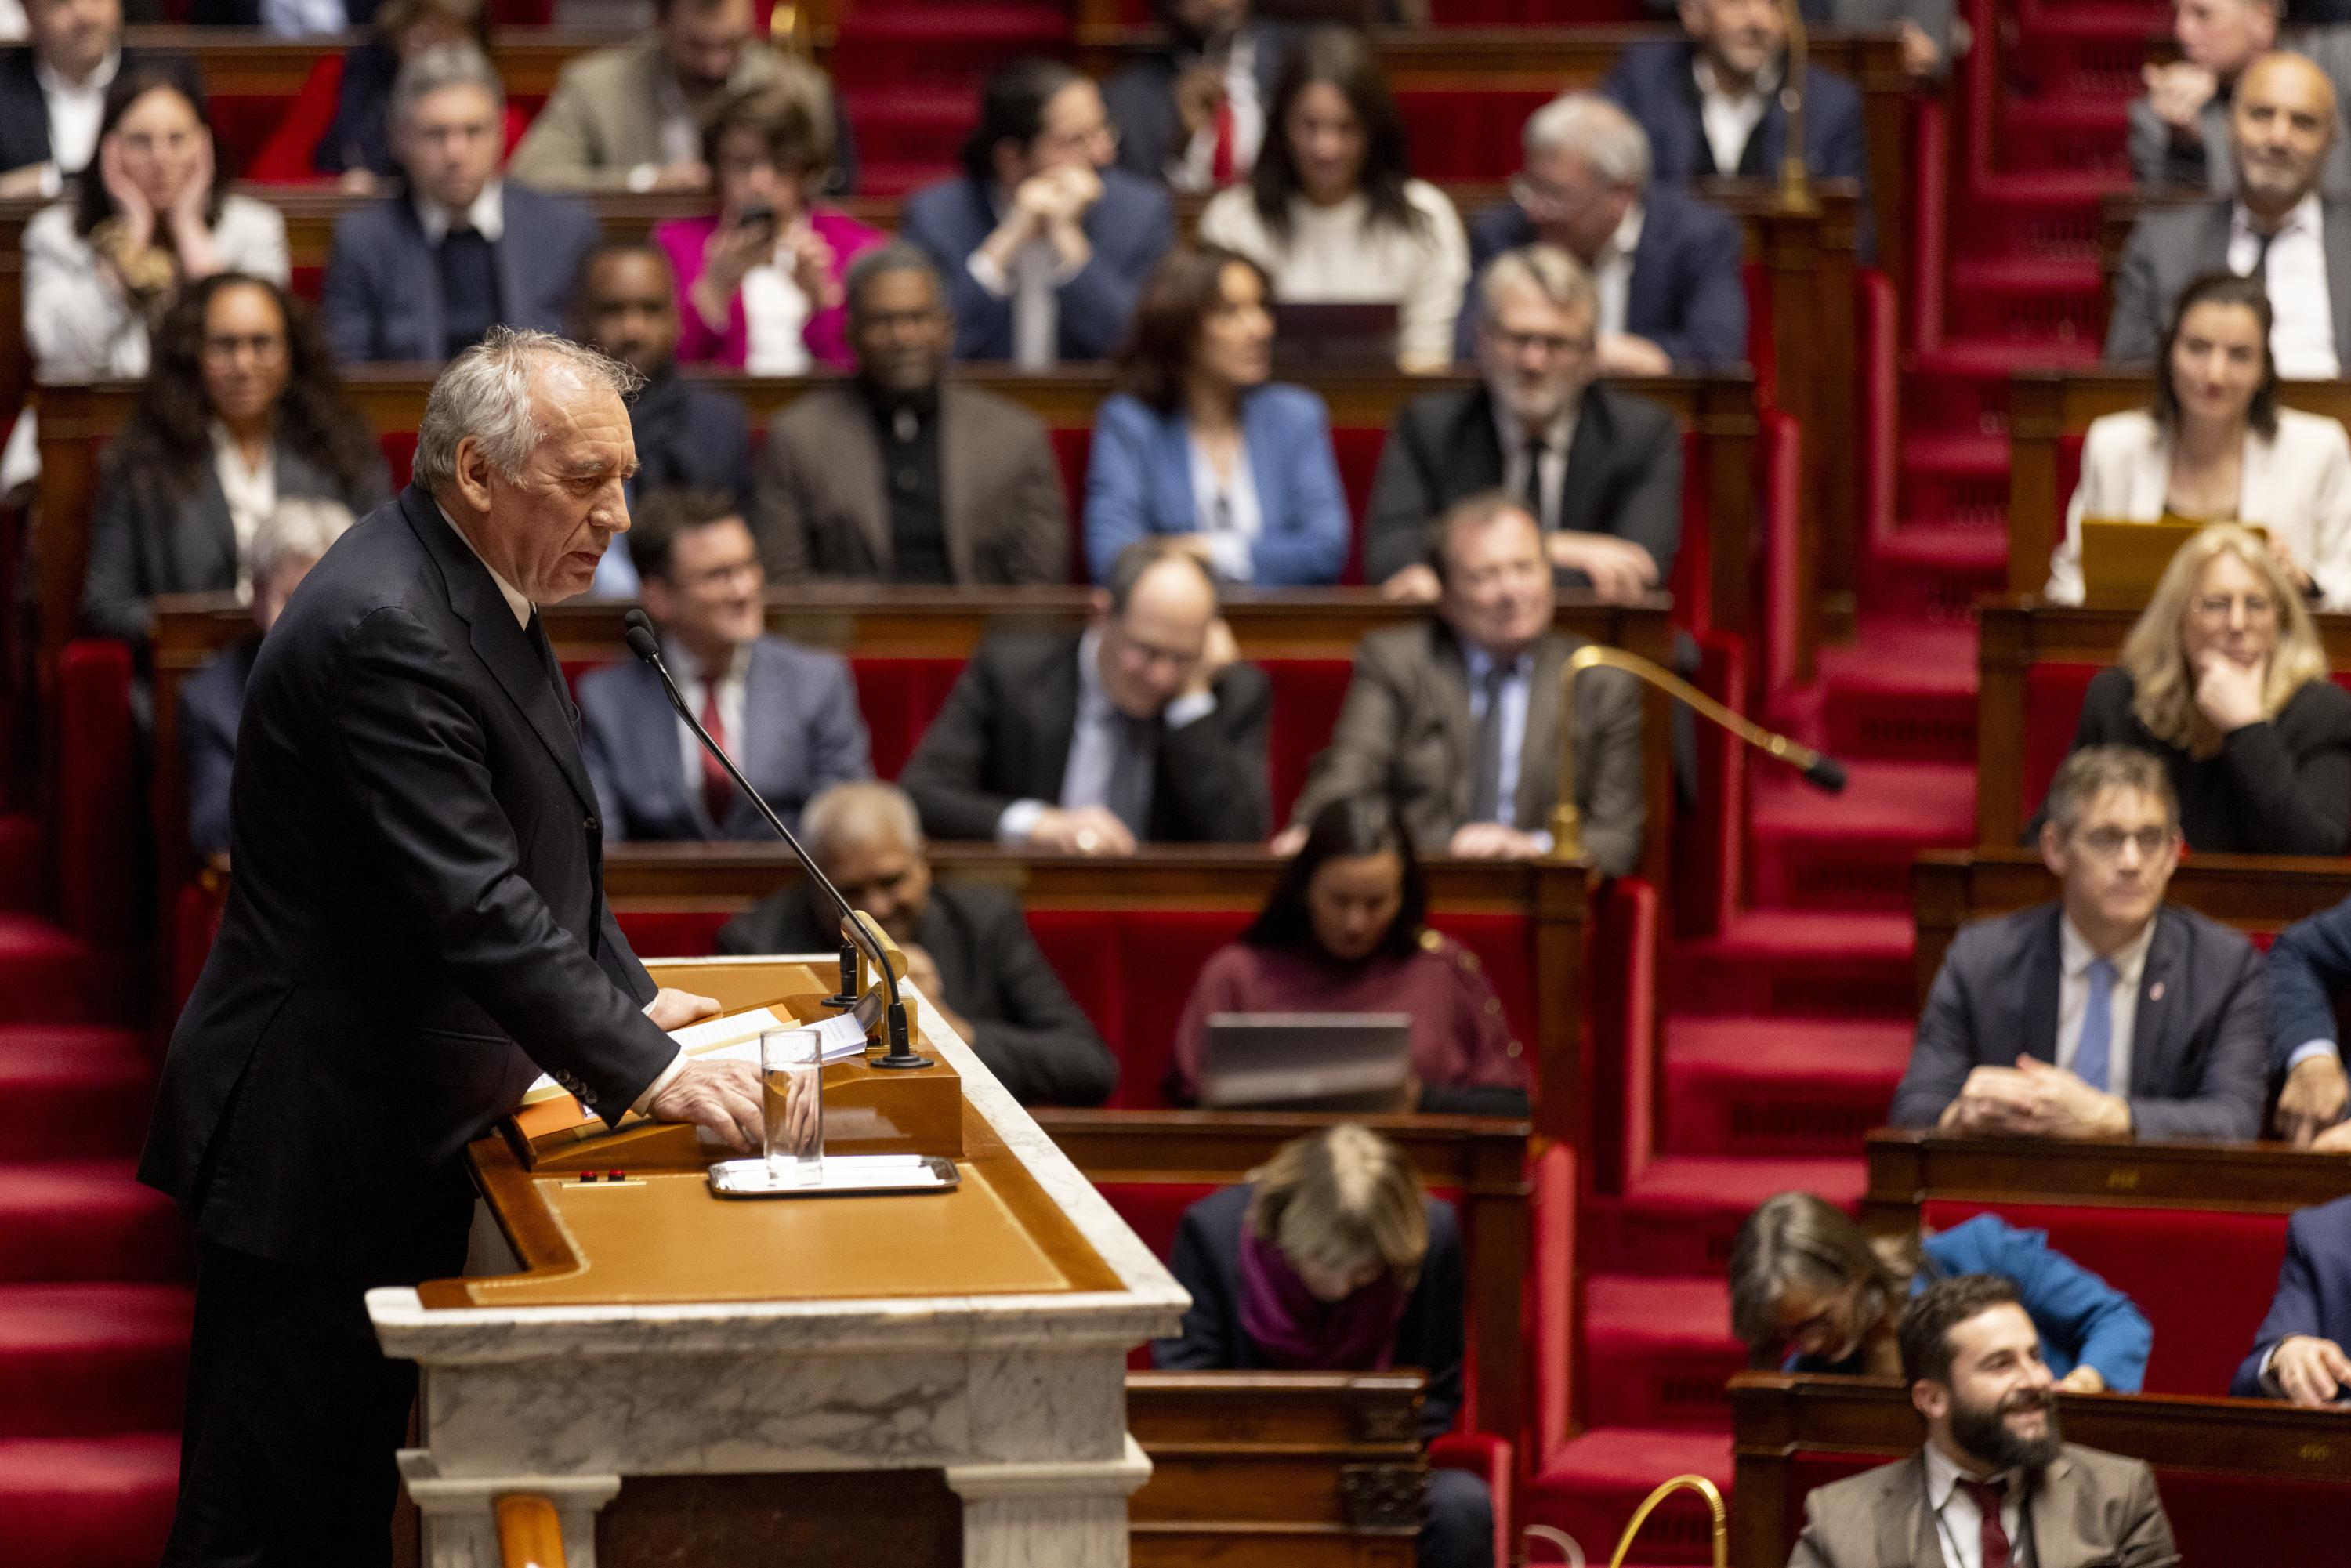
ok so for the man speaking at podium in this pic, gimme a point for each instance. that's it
(416, 927)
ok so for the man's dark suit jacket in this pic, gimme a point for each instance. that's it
(2309, 963)
(2172, 248)
(693, 436)
(1624, 474)
(1132, 227)
(1142, 98)
(803, 732)
(1686, 294)
(1004, 736)
(381, 297)
(211, 701)
(416, 927)
(1652, 82)
(2199, 1051)
(25, 110)
(2313, 1292)
(1207, 1261)
(1024, 1025)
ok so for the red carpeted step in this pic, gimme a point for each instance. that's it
(73, 1092)
(1854, 850)
(937, 46)
(86, 1220)
(1593, 1484)
(2087, 134)
(2088, 50)
(1904, 690)
(1791, 1087)
(909, 136)
(1658, 1350)
(2034, 299)
(23, 864)
(95, 1502)
(85, 1361)
(1831, 963)
(1958, 474)
(1678, 1216)
(47, 974)
(1936, 569)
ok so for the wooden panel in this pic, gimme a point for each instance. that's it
(906, 1519)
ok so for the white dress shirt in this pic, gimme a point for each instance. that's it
(1730, 118)
(300, 18)
(694, 687)
(252, 494)
(1553, 474)
(1961, 1527)
(1033, 284)
(486, 216)
(2302, 331)
(1192, 170)
(1085, 777)
(1612, 272)
(775, 322)
(74, 110)
(2129, 960)
(1229, 514)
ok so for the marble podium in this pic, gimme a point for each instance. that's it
(715, 1379)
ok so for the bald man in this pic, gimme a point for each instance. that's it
(2281, 126)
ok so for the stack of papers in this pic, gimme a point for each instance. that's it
(735, 1037)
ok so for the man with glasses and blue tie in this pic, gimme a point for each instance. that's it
(2106, 1014)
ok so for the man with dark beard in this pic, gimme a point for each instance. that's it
(1995, 1485)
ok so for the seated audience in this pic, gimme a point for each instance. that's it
(2179, 130)
(1345, 931)
(100, 267)
(2298, 1352)
(2215, 447)
(284, 548)
(422, 276)
(787, 715)
(967, 946)
(1712, 107)
(1811, 1291)
(1193, 114)
(1332, 1258)
(2223, 681)
(2107, 1014)
(762, 275)
(242, 412)
(1197, 444)
(2309, 966)
(1456, 720)
(1931, 31)
(899, 475)
(1599, 467)
(2282, 126)
(1043, 243)
(53, 92)
(630, 118)
(1666, 264)
(1331, 212)
(1147, 728)
(1995, 1472)
(357, 146)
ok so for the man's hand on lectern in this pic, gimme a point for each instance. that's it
(723, 1096)
(673, 1008)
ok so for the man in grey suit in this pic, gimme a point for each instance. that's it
(1995, 1483)
(420, 276)
(2282, 123)
(787, 715)
(2109, 1013)
(1456, 720)
(898, 476)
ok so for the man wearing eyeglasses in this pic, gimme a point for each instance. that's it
(2106, 1014)
(789, 714)
(1599, 468)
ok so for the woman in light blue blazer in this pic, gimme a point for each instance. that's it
(1197, 441)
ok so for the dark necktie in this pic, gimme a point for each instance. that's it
(1988, 1495)
(469, 288)
(1486, 791)
(1134, 757)
(1534, 490)
(2260, 272)
(717, 788)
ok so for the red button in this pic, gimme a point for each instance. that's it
(586, 1175)
(614, 1176)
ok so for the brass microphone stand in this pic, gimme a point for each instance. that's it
(1795, 175)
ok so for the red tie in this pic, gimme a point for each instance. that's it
(717, 788)
(1221, 162)
(1988, 1496)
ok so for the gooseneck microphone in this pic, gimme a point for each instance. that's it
(647, 645)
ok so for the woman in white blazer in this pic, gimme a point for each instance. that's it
(2215, 446)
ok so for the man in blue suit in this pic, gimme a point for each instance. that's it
(420, 276)
(2310, 963)
(1667, 264)
(1711, 104)
(1043, 242)
(2298, 1351)
(787, 715)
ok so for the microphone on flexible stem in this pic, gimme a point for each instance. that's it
(647, 645)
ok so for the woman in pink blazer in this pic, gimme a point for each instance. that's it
(759, 280)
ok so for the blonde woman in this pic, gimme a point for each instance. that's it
(2225, 679)
(1330, 1257)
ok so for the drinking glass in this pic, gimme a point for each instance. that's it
(791, 1080)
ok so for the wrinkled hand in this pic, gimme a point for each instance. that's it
(1492, 841)
(2312, 1100)
(673, 1008)
(2083, 1380)
(1416, 584)
(1625, 354)
(723, 1096)
(138, 212)
(2336, 1140)
(2228, 693)
(1199, 93)
(2033, 1100)
(1083, 831)
(2312, 1372)
(1620, 571)
(2178, 93)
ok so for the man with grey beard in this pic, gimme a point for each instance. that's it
(1995, 1485)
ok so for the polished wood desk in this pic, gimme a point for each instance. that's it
(1908, 1170)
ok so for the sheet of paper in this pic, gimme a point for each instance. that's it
(735, 1037)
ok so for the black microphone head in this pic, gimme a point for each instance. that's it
(637, 617)
(1828, 773)
(641, 641)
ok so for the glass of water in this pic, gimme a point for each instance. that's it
(791, 1080)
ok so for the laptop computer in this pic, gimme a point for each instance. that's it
(1307, 1062)
(1331, 334)
(2123, 561)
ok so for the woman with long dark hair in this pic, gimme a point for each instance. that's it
(242, 408)
(1343, 932)
(1331, 211)
(149, 217)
